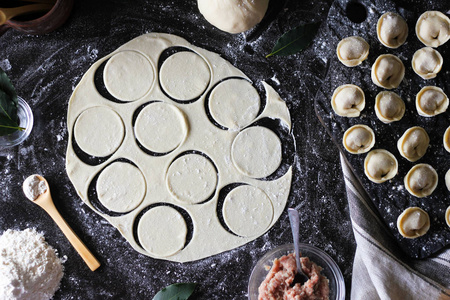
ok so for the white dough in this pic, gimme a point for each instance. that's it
(160, 127)
(234, 103)
(99, 131)
(256, 152)
(182, 177)
(162, 231)
(247, 211)
(192, 178)
(121, 187)
(184, 75)
(233, 16)
(121, 75)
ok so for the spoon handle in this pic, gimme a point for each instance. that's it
(84, 252)
(294, 219)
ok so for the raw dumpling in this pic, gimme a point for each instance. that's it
(352, 51)
(392, 30)
(447, 216)
(433, 28)
(431, 101)
(389, 107)
(421, 180)
(380, 165)
(388, 71)
(413, 222)
(359, 139)
(414, 143)
(348, 100)
(427, 62)
(447, 139)
(447, 179)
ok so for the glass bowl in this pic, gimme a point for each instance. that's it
(25, 120)
(330, 269)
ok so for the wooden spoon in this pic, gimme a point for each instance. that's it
(8, 13)
(45, 201)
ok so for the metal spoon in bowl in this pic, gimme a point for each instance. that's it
(294, 219)
(37, 190)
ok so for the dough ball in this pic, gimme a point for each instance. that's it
(128, 75)
(389, 107)
(184, 75)
(191, 178)
(447, 139)
(413, 222)
(348, 100)
(160, 127)
(99, 138)
(121, 187)
(388, 71)
(431, 101)
(414, 143)
(421, 180)
(392, 30)
(352, 51)
(233, 16)
(234, 103)
(433, 28)
(256, 152)
(380, 165)
(427, 62)
(247, 211)
(358, 139)
(162, 231)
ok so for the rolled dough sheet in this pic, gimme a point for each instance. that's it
(193, 158)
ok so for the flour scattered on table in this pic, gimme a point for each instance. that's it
(29, 267)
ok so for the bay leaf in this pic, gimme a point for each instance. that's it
(176, 291)
(8, 106)
(295, 40)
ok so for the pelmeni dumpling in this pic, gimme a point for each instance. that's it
(447, 139)
(392, 30)
(389, 107)
(431, 101)
(427, 62)
(447, 214)
(421, 180)
(388, 71)
(414, 143)
(447, 179)
(352, 51)
(433, 28)
(413, 222)
(348, 100)
(380, 165)
(358, 139)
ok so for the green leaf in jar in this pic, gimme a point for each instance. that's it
(176, 291)
(295, 40)
(8, 106)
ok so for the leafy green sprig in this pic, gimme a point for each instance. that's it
(9, 121)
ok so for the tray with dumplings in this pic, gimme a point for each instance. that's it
(387, 112)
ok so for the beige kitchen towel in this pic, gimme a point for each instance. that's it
(380, 269)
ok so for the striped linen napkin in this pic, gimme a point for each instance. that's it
(380, 269)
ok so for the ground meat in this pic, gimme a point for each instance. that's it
(277, 285)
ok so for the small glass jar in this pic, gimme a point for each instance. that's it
(25, 116)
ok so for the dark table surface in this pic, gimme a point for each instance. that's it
(45, 69)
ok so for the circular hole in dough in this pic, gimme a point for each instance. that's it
(352, 51)
(433, 28)
(447, 139)
(421, 180)
(413, 144)
(128, 75)
(392, 30)
(99, 131)
(121, 187)
(234, 103)
(387, 71)
(184, 75)
(348, 100)
(358, 139)
(162, 231)
(160, 127)
(192, 178)
(389, 107)
(256, 152)
(247, 211)
(431, 101)
(380, 165)
(413, 222)
(427, 62)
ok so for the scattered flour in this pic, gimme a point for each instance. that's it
(29, 267)
(33, 187)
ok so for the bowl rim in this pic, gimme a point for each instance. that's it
(28, 113)
(331, 264)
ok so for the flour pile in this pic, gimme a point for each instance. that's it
(29, 267)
